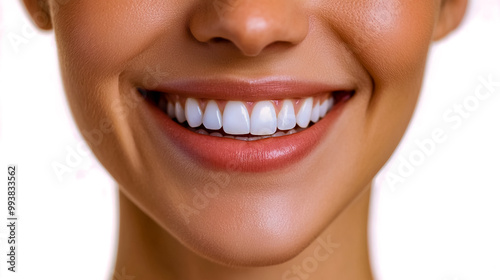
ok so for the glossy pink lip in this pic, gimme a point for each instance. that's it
(236, 155)
(250, 90)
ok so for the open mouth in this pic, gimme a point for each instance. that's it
(245, 125)
(246, 120)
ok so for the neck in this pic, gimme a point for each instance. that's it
(147, 251)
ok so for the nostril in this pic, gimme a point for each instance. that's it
(220, 40)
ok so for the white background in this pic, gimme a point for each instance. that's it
(441, 223)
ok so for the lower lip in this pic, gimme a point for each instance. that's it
(263, 155)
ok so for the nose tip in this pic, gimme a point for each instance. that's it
(250, 25)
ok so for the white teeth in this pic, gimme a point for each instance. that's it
(235, 119)
(315, 113)
(212, 118)
(179, 113)
(263, 120)
(304, 115)
(331, 102)
(286, 117)
(171, 110)
(194, 115)
(323, 108)
(203, 131)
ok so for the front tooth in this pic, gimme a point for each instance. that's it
(194, 115)
(179, 113)
(263, 120)
(171, 110)
(323, 108)
(286, 117)
(235, 119)
(212, 118)
(304, 115)
(315, 113)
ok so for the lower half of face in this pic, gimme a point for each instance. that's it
(243, 127)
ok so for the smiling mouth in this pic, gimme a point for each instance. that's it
(246, 125)
(246, 120)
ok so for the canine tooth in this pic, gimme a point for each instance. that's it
(194, 115)
(286, 117)
(315, 113)
(212, 118)
(331, 102)
(171, 110)
(263, 120)
(323, 108)
(304, 115)
(235, 119)
(179, 113)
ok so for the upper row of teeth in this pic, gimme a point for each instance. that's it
(236, 119)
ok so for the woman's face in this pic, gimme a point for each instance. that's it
(235, 200)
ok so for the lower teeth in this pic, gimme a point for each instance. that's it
(244, 138)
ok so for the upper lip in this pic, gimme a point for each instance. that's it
(269, 88)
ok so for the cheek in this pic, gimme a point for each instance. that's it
(389, 37)
(96, 41)
(100, 37)
(395, 54)
(398, 47)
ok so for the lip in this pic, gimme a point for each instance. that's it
(235, 155)
(253, 90)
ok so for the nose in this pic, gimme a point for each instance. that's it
(250, 25)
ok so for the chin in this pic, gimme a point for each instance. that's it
(246, 233)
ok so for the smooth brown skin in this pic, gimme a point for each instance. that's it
(261, 224)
